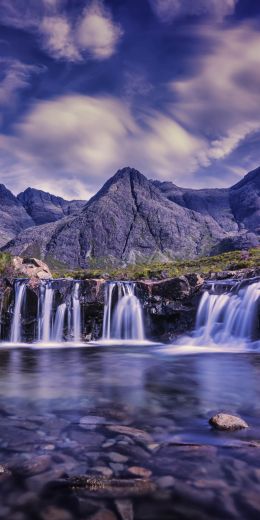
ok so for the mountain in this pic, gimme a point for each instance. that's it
(44, 207)
(13, 216)
(132, 219)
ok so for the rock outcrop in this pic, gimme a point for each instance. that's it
(44, 207)
(13, 217)
(30, 268)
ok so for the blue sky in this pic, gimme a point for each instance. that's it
(170, 87)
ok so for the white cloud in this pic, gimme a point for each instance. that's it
(92, 32)
(169, 10)
(57, 38)
(90, 138)
(221, 98)
(97, 33)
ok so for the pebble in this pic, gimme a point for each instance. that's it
(132, 432)
(116, 466)
(139, 471)
(92, 419)
(223, 421)
(117, 457)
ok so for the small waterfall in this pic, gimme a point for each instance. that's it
(106, 334)
(58, 328)
(20, 291)
(45, 312)
(76, 314)
(123, 318)
(221, 318)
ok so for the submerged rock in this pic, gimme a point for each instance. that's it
(226, 422)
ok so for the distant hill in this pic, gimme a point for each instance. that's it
(132, 219)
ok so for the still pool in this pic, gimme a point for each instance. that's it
(124, 413)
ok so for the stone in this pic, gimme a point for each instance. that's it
(31, 268)
(138, 471)
(34, 465)
(132, 432)
(125, 509)
(92, 420)
(117, 457)
(103, 514)
(226, 422)
(55, 513)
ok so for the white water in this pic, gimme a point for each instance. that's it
(76, 314)
(123, 318)
(45, 322)
(16, 327)
(228, 317)
(58, 329)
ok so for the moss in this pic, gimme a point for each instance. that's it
(233, 260)
(5, 262)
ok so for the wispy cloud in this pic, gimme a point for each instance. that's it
(92, 32)
(221, 98)
(15, 76)
(169, 10)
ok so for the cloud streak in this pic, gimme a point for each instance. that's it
(170, 10)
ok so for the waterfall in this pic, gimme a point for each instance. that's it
(106, 334)
(20, 291)
(76, 314)
(223, 318)
(123, 318)
(58, 328)
(45, 312)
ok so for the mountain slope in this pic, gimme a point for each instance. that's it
(132, 219)
(44, 207)
(13, 217)
(128, 220)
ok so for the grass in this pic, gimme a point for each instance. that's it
(5, 262)
(233, 260)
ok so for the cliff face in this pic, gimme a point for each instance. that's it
(132, 219)
(44, 207)
(13, 217)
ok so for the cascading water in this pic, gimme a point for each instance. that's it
(223, 318)
(58, 328)
(16, 326)
(45, 312)
(76, 314)
(123, 318)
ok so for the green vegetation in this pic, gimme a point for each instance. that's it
(233, 260)
(5, 262)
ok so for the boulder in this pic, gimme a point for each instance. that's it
(31, 268)
(226, 422)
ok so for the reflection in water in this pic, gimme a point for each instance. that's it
(183, 389)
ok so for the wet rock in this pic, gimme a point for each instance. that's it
(92, 420)
(54, 513)
(226, 422)
(110, 488)
(33, 466)
(132, 432)
(117, 457)
(125, 509)
(138, 471)
(103, 514)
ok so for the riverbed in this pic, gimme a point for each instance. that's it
(136, 415)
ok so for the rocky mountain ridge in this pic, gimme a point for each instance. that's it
(132, 219)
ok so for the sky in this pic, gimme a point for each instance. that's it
(169, 87)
